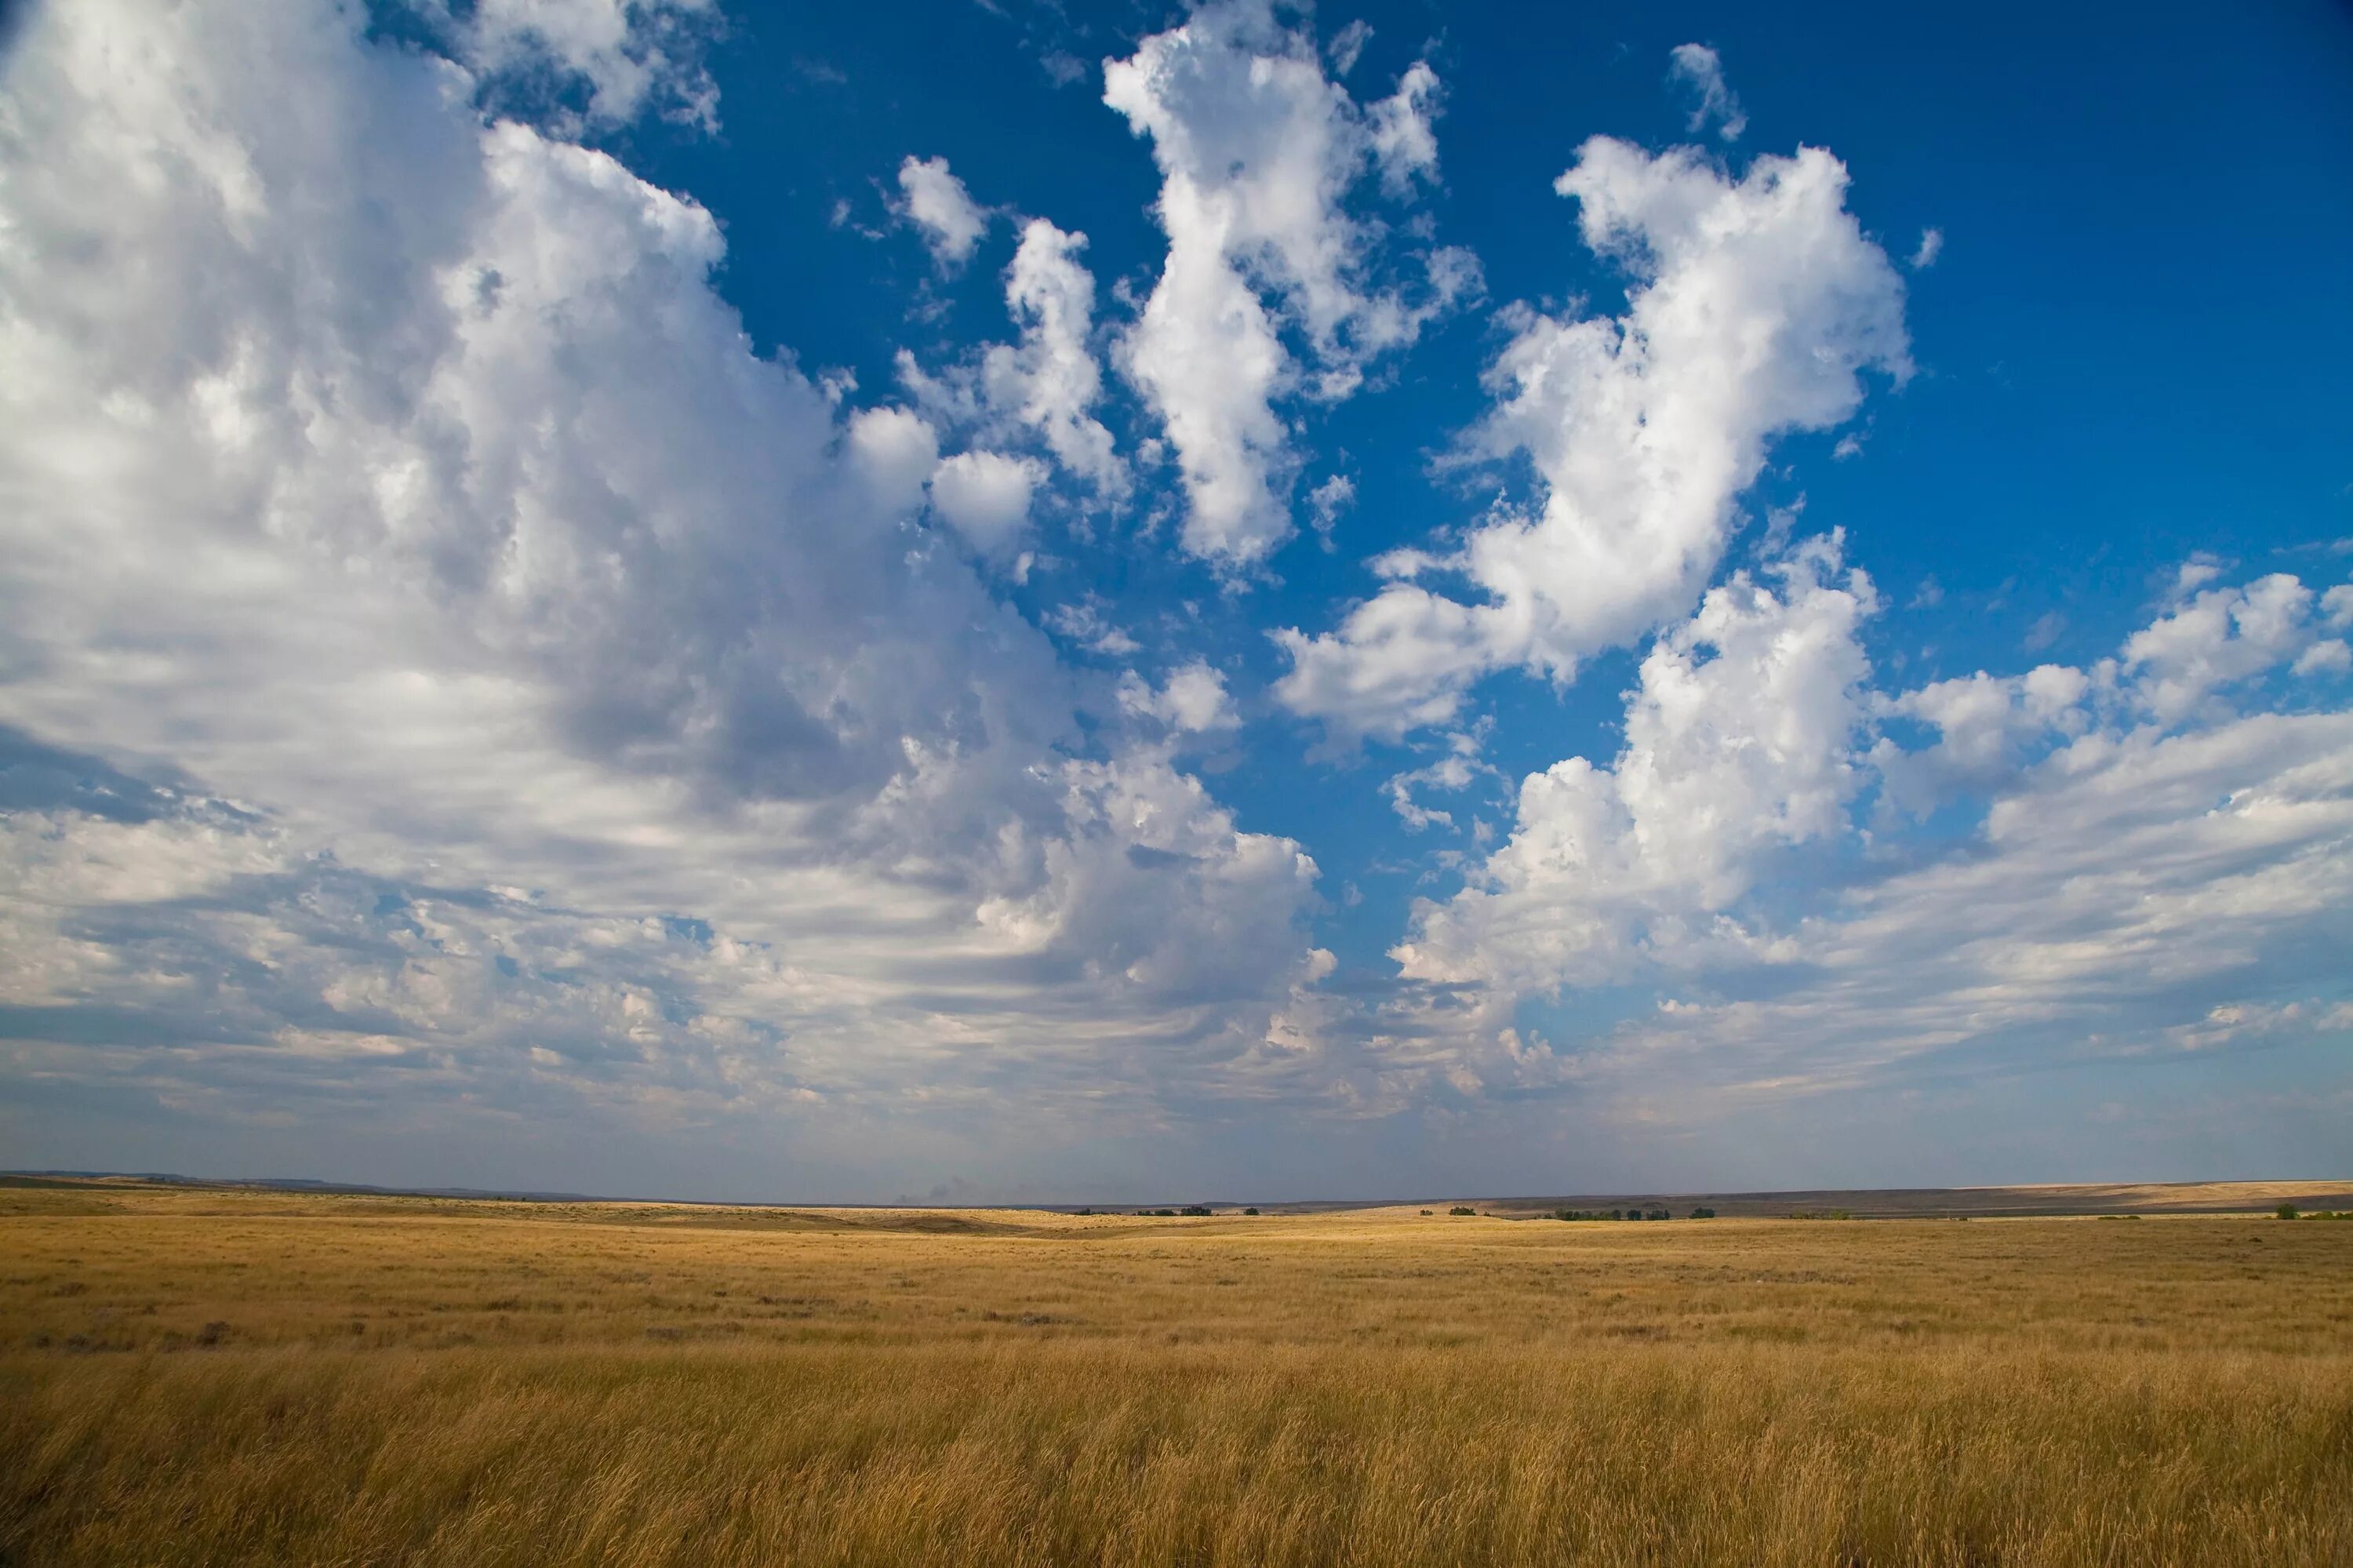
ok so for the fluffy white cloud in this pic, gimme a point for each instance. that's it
(1192, 701)
(1040, 390)
(2217, 639)
(1983, 724)
(2142, 868)
(1153, 888)
(1050, 380)
(1258, 151)
(985, 497)
(623, 56)
(2122, 891)
(1328, 503)
(1757, 305)
(1700, 69)
(936, 202)
(1737, 742)
(550, 667)
(1405, 138)
(895, 451)
(2331, 656)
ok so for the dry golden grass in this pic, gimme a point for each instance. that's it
(205, 1376)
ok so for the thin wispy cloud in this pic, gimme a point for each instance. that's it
(1699, 69)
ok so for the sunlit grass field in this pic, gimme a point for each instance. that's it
(211, 1376)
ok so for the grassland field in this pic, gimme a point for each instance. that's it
(194, 1375)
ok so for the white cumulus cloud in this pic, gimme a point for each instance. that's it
(1757, 305)
(1258, 151)
(985, 497)
(1050, 380)
(936, 202)
(620, 57)
(1737, 741)
(2142, 865)
(1191, 701)
(2217, 637)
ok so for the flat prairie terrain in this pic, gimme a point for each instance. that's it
(201, 1376)
(1979, 1203)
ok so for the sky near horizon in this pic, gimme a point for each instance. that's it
(1005, 601)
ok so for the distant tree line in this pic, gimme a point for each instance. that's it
(1651, 1213)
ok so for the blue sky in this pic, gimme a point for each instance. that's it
(1015, 602)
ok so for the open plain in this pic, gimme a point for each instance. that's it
(213, 1375)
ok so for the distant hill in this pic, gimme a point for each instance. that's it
(285, 1184)
(1847, 1202)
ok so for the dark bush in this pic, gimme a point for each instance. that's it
(2286, 1210)
(1195, 1210)
(1703, 1213)
(1458, 1209)
(1249, 1210)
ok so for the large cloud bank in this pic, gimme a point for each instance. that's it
(518, 690)
(2160, 860)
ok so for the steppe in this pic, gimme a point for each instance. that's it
(216, 1374)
